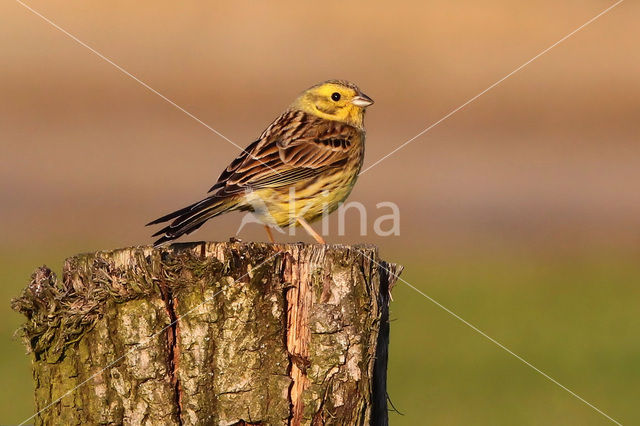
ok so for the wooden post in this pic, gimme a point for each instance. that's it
(211, 333)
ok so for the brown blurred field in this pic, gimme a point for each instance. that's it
(529, 197)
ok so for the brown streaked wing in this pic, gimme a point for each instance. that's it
(295, 147)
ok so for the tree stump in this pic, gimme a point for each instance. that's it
(211, 333)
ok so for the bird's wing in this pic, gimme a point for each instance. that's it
(295, 147)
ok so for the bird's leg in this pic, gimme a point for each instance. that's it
(310, 230)
(269, 234)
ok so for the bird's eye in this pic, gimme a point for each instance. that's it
(335, 96)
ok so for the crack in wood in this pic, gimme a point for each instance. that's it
(173, 351)
(299, 299)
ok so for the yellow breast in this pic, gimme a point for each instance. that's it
(309, 199)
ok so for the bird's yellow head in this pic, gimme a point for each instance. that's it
(336, 100)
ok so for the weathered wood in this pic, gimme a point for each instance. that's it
(211, 333)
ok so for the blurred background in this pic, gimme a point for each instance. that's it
(521, 213)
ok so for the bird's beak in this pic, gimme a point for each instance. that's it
(362, 100)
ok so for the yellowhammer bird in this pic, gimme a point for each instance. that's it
(303, 165)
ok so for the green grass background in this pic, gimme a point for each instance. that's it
(574, 317)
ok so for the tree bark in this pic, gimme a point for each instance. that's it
(211, 333)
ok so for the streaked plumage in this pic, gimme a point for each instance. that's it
(304, 163)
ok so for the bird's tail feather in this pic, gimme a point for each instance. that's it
(190, 218)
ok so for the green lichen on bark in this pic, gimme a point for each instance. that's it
(197, 334)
